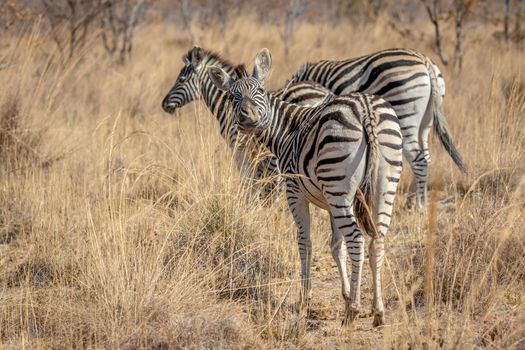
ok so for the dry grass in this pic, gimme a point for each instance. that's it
(122, 227)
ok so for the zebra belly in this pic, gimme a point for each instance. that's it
(313, 193)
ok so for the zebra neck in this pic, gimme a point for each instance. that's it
(215, 99)
(284, 119)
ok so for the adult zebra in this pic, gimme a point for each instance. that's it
(193, 84)
(328, 153)
(414, 87)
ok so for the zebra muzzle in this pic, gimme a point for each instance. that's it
(249, 113)
(168, 106)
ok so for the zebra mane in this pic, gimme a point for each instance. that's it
(241, 71)
(211, 56)
(215, 58)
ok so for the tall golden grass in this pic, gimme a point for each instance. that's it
(123, 227)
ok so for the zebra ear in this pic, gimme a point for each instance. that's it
(262, 65)
(220, 78)
(197, 54)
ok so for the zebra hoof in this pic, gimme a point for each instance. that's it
(351, 313)
(304, 305)
(379, 319)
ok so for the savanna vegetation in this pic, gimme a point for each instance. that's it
(123, 227)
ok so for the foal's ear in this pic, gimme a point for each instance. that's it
(220, 78)
(262, 65)
(196, 56)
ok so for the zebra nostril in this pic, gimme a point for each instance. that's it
(242, 118)
(168, 106)
(252, 114)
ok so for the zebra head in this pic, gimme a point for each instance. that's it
(247, 93)
(187, 87)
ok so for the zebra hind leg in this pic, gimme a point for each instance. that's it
(301, 214)
(376, 253)
(337, 248)
(344, 221)
(386, 189)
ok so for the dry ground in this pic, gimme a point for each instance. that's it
(123, 227)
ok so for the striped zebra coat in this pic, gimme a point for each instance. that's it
(411, 83)
(328, 154)
(193, 84)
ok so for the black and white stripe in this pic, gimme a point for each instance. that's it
(328, 153)
(193, 84)
(411, 83)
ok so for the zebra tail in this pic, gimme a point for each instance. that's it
(365, 199)
(440, 124)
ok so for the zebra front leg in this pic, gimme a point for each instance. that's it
(421, 164)
(337, 247)
(345, 223)
(415, 149)
(301, 214)
(242, 162)
(420, 168)
(267, 172)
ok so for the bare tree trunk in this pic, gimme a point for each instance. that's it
(458, 48)
(506, 10)
(293, 11)
(222, 17)
(118, 23)
(108, 22)
(462, 8)
(127, 36)
(70, 22)
(186, 19)
(72, 29)
(288, 32)
(433, 14)
(518, 35)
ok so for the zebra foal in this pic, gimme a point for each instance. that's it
(328, 154)
(411, 83)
